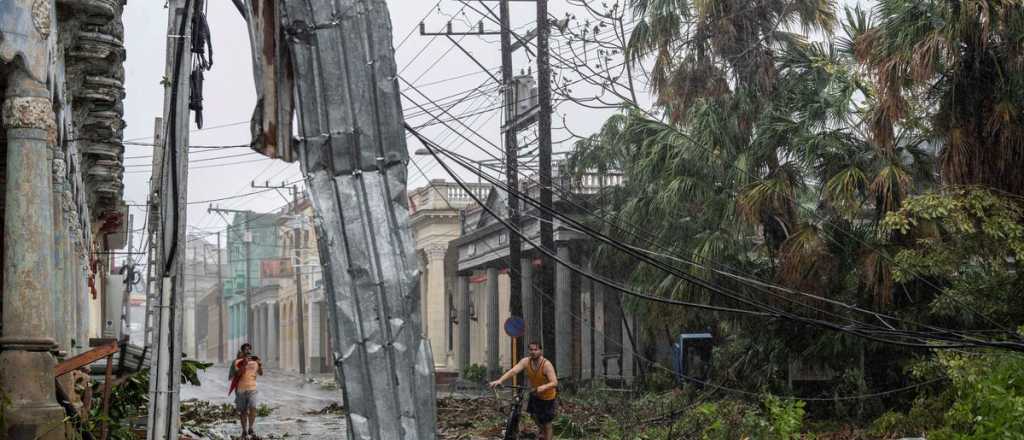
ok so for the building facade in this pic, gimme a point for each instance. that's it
(201, 274)
(251, 239)
(581, 324)
(435, 212)
(300, 262)
(61, 191)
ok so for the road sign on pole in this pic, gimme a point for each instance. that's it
(515, 327)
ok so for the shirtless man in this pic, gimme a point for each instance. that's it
(543, 383)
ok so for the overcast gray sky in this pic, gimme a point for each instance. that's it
(230, 96)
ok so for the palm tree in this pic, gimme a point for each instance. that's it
(965, 61)
(714, 72)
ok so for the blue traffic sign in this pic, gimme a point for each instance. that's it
(515, 326)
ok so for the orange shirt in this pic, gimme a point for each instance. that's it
(538, 378)
(248, 380)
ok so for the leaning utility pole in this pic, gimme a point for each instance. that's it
(300, 303)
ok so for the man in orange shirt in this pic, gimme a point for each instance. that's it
(247, 367)
(544, 382)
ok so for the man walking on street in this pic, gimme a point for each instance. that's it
(246, 367)
(543, 383)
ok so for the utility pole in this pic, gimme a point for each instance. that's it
(170, 187)
(511, 170)
(513, 123)
(300, 303)
(220, 306)
(547, 238)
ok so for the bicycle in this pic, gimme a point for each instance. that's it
(515, 410)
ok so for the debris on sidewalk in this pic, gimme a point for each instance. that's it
(334, 408)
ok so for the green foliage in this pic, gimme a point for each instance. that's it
(565, 427)
(190, 371)
(984, 401)
(775, 419)
(969, 239)
(989, 397)
(129, 401)
(785, 417)
(475, 373)
(264, 410)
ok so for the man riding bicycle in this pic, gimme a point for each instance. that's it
(544, 382)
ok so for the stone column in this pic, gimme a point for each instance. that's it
(436, 316)
(27, 345)
(316, 357)
(463, 354)
(563, 314)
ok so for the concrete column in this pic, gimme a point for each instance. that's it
(587, 328)
(563, 315)
(463, 354)
(493, 323)
(316, 357)
(628, 358)
(264, 333)
(233, 319)
(26, 358)
(273, 338)
(435, 321)
(265, 328)
(188, 325)
(257, 346)
(531, 310)
(599, 333)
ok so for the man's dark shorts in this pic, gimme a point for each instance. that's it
(543, 411)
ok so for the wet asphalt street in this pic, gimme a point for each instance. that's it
(288, 394)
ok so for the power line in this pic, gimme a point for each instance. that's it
(771, 311)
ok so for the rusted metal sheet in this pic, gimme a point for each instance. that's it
(272, 119)
(352, 151)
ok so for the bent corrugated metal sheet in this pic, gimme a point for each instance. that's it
(353, 153)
